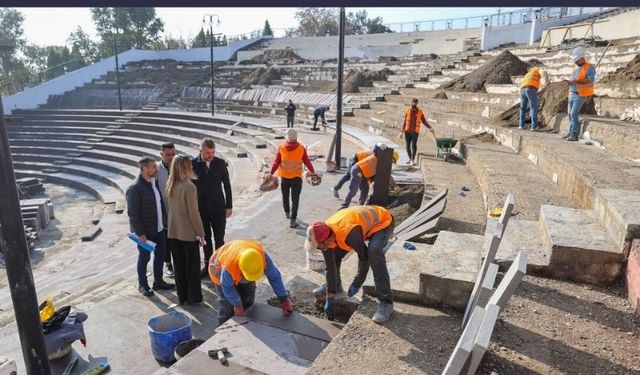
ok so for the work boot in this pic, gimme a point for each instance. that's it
(321, 291)
(145, 291)
(383, 313)
(293, 223)
(566, 136)
(535, 129)
(572, 138)
(336, 194)
(163, 285)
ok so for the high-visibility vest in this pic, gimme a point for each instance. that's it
(290, 161)
(227, 257)
(407, 119)
(371, 220)
(368, 166)
(531, 79)
(360, 155)
(584, 89)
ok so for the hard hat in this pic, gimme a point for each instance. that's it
(251, 264)
(578, 53)
(396, 156)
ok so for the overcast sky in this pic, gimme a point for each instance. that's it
(52, 26)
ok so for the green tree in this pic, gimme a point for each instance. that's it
(134, 27)
(200, 40)
(314, 21)
(266, 31)
(86, 48)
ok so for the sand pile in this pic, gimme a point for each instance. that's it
(440, 95)
(629, 72)
(275, 56)
(496, 71)
(551, 101)
(355, 79)
(262, 76)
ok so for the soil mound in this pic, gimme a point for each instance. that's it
(496, 71)
(551, 101)
(629, 72)
(440, 95)
(275, 56)
(355, 79)
(262, 76)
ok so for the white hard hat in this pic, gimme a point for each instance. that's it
(578, 53)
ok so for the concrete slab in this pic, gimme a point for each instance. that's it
(463, 348)
(481, 342)
(580, 246)
(522, 235)
(298, 323)
(199, 360)
(425, 205)
(431, 213)
(509, 282)
(618, 211)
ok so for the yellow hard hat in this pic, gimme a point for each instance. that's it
(396, 156)
(251, 264)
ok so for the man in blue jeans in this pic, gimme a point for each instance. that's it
(533, 81)
(580, 91)
(147, 219)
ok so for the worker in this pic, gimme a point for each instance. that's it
(234, 268)
(363, 173)
(319, 113)
(358, 156)
(580, 90)
(413, 117)
(290, 110)
(347, 230)
(535, 80)
(288, 163)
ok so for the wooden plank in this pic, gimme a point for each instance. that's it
(425, 206)
(428, 215)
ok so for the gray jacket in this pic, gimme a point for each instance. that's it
(162, 177)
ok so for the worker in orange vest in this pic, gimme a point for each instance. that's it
(362, 173)
(413, 117)
(533, 81)
(234, 268)
(288, 163)
(358, 156)
(347, 230)
(580, 90)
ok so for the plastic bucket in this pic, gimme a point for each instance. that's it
(166, 332)
(315, 261)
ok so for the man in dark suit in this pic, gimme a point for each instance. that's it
(215, 205)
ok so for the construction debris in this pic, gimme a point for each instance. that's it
(440, 95)
(497, 71)
(629, 72)
(262, 76)
(355, 79)
(275, 56)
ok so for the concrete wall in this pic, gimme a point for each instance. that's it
(32, 97)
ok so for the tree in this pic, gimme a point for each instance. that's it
(375, 26)
(10, 35)
(85, 48)
(135, 27)
(266, 31)
(200, 40)
(317, 21)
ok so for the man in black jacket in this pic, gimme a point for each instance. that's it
(215, 206)
(290, 109)
(147, 219)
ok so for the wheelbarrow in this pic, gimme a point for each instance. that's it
(444, 147)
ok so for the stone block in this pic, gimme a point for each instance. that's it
(482, 339)
(618, 211)
(522, 235)
(510, 282)
(464, 347)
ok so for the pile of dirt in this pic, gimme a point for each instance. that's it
(355, 79)
(551, 101)
(262, 76)
(440, 95)
(387, 58)
(535, 62)
(496, 71)
(405, 203)
(275, 56)
(629, 72)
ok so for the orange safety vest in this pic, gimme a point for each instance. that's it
(360, 155)
(227, 257)
(368, 166)
(407, 119)
(532, 79)
(291, 161)
(371, 219)
(584, 89)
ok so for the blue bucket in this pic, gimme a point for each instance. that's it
(166, 332)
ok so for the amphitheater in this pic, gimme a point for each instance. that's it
(575, 213)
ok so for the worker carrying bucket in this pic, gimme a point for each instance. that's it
(234, 268)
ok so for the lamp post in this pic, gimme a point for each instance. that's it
(339, 93)
(210, 21)
(114, 31)
(17, 262)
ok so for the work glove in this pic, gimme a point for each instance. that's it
(287, 306)
(238, 310)
(352, 291)
(328, 308)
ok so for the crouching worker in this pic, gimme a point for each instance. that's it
(234, 268)
(347, 230)
(363, 173)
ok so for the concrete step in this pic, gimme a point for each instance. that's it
(617, 210)
(623, 109)
(580, 246)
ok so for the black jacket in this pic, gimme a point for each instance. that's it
(290, 109)
(210, 182)
(141, 208)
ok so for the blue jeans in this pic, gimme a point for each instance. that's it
(347, 176)
(529, 96)
(575, 105)
(375, 258)
(357, 182)
(158, 259)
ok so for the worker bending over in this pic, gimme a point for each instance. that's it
(535, 80)
(358, 156)
(362, 173)
(234, 268)
(347, 230)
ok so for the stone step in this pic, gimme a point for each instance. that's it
(617, 210)
(580, 246)
(623, 109)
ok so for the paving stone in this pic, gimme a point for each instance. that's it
(482, 339)
(522, 235)
(618, 211)
(510, 282)
(464, 347)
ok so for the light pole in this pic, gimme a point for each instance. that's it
(339, 93)
(114, 31)
(204, 20)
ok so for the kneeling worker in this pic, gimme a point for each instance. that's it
(347, 230)
(234, 268)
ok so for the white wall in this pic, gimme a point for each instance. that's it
(32, 97)
(496, 36)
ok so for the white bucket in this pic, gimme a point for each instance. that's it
(315, 261)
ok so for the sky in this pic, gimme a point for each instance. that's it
(52, 26)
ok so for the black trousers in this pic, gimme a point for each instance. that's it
(293, 187)
(411, 140)
(186, 268)
(215, 224)
(315, 120)
(167, 253)
(289, 121)
(247, 292)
